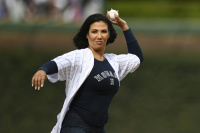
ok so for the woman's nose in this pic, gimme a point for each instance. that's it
(99, 35)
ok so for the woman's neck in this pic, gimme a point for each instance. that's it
(98, 57)
(98, 54)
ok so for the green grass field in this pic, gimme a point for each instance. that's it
(161, 96)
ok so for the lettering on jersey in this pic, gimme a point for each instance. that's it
(98, 77)
(106, 74)
(111, 81)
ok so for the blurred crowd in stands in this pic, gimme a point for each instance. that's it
(41, 11)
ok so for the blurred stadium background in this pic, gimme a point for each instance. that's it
(161, 96)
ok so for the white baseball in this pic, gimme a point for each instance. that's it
(111, 14)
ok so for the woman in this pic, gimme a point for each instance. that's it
(92, 77)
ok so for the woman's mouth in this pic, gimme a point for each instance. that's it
(99, 42)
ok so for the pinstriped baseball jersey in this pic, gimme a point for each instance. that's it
(75, 66)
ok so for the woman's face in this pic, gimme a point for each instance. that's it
(98, 35)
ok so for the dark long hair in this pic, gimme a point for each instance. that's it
(80, 40)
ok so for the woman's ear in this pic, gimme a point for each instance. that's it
(87, 36)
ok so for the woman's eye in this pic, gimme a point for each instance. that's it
(104, 31)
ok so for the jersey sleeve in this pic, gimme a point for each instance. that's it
(49, 67)
(65, 64)
(132, 44)
(127, 63)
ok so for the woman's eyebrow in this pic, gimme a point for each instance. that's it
(99, 29)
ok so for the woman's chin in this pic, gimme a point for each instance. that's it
(96, 48)
(99, 48)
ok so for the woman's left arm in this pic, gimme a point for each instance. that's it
(132, 44)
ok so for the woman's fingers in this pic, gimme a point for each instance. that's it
(119, 22)
(38, 79)
(116, 21)
(107, 15)
(39, 82)
(42, 80)
(32, 82)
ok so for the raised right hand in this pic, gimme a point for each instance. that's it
(38, 79)
(118, 21)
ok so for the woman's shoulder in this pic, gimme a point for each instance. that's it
(76, 52)
(120, 57)
(110, 56)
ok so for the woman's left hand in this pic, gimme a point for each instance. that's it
(119, 22)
